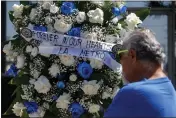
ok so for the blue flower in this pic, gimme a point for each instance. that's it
(115, 11)
(75, 32)
(40, 28)
(54, 97)
(123, 9)
(60, 84)
(12, 71)
(85, 70)
(76, 109)
(67, 8)
(31, 107)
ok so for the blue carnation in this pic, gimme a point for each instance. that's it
(76, 109)
(116, 11)
(60, 84)
(85, 70)
(40, 28)
(123, 9)
(75, 32)
(12, 71)
(31, 107)
(67, 8)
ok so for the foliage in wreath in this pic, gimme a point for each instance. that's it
(63, 85)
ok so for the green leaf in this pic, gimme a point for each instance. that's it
(12, 82)
(53, 109)
(142, 14)
(11, 17)
(27, 10)
(24, 2)
(25, 114)
(22, 79)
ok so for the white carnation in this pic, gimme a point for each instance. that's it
(18, 10)
(47, 4)
(28, 48)
(90, 87)
(39, 114)
(42, 85)
(94, 108)
(8, 49)
(73, 77)
(96, 16)
(67, 60)
(81, 17)
(132, 21)
(111, 38)
(61, 26)
(115, 20)
(48, 20)
(34, 51)
(32, 81)
(97, 64)
(20, 61)
(18, 109)
(89, 36)
(35, 74)
(54, 70)
(119, 26)
(15, 54)
(106, 95)
(54, 9)
(63, 101)
(33, 14)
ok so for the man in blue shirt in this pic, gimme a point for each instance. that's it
(149, 92)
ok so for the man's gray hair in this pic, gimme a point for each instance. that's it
(145, 44)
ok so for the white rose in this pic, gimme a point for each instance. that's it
(39, 114)
(111, 38)
(18, 10)
(18, 109)
(96, 16)
(54, 9)
(89, 36)
(81, 17)
(34, 51)
(97, 64)
(33, 14)
(47, 4)
(132, 21)
(73, 77)
(32, 81)
(93, 108)
(63, 101)
(8, 49)
(67, 60)
(90, 87)
(42, 85)
(106, 95)
(115, 20)
(20, 61)
(61, 26)
(54, 70)
(48, 20)
(28, 48)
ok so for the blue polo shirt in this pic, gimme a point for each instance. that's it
(146, 98)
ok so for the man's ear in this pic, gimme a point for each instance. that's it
(132, 54)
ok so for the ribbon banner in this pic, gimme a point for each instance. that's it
(73, 46)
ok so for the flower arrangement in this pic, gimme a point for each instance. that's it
(61, 84)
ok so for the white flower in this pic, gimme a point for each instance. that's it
(89, 36)
(93, 108)
(106, 95)
(119, 26)
(97, 64)
(63, 101)
(15, 54)
(115, 91)
(132, 20)
(67, 60)
(18, 109)
(20, 61)
(39, 114)
(81, 17)
(48, 20)
(54, 70)
(33, 14)
(123, 32)
(61, 26)
(115, 20)
(54, 9)
(28, 48)
(90, 87)
(47, 4)
(32, 81)
(42, 85)
(96, 16)
(34, 51)
(111, 38)
(36, 74)
(8, 49)
(18, 10)
(73, 77)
